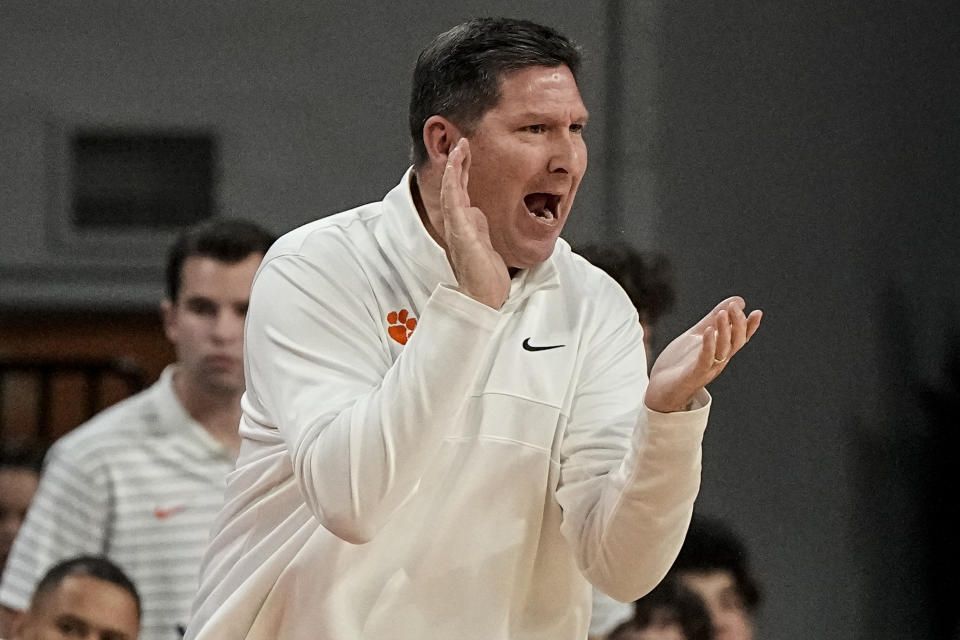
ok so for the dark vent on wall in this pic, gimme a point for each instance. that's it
(141, 180)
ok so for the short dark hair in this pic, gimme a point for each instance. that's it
(22, 455)
(671, 602)
(458, 75)
(87, 566)
(711, 545)
(647, 279)
(226, 240)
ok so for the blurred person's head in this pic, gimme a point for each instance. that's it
(630, 630)
(646, 279)
(19, 478)
(84, 597)
(670, 611)
(713, 562)
(210, 270)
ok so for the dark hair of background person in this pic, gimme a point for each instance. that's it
(670, 603)
(224, 240)
(624, 631)
(458, 75)
(84, 566)
(646, 279)
(711, 545)
(22, 455)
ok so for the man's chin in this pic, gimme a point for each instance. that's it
(533, 255)
(223, 383)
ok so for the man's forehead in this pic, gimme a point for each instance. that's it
(206, 273)
(94, 601)
(74, 593)
(539, 90)
(712, 578)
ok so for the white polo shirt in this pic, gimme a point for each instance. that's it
(139, 483)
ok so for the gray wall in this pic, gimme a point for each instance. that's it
(802, 156)
(807, 158)
(308, 101)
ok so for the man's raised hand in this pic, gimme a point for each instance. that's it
(698, 356)
(479, 269)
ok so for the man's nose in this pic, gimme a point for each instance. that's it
(568, 154)
(228, 325)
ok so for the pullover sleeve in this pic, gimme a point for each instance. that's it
(69, 515)
(360, 429)
(629, 475)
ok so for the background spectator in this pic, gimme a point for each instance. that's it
(670, 612)
(19, 477)
(143, 480)
(647, 279)
(83, 597)
(648, 282)
(713, 562)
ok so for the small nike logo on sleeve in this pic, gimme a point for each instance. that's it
(530, 347)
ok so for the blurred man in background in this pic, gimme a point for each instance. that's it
(19, 478)
(714, 563)
(142, 481)
(670, 612)
(86, 598)
(648, 282)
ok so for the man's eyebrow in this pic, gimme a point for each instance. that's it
(71, 618)
(540, 116)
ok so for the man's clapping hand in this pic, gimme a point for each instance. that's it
(698, 355)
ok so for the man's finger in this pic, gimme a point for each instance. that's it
(453, 192)
(753, 322)
(708, 319)
(738, 329)
(464, 145)
(723, 348)
(708, 348)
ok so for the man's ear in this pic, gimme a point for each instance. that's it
(19, 623)
(440, 136)
(168, 315)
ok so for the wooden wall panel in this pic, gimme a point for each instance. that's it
(136, 337)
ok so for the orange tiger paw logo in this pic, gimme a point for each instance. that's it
(401, 326)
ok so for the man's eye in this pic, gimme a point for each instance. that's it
(71, 628)
(536, 128)
(202, 307)
(731, 603)
(576, 128)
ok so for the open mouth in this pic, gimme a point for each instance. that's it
(542, 205)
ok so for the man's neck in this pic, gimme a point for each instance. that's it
(216, 411)
(420, 202)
